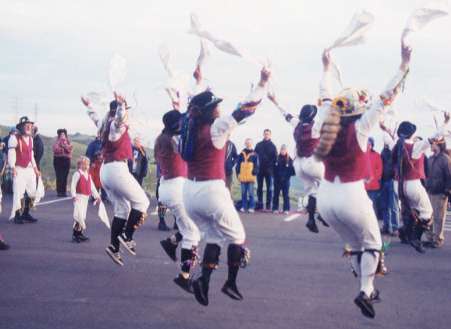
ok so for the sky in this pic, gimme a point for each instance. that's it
(54, 51)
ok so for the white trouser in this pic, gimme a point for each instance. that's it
(171, 195)
(24, 181)
(349, 210)
(310, 172)
(211, 207)
(80, 209)
(122, 189)
(417, 197)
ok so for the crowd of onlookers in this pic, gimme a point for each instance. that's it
(383, 190)
(264, 170)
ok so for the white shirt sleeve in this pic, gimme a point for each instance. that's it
(12, 144)
(323, 111)
(73, 184)
(388, 140)
(119, 124)
(325, 90)
(221, 129)
(294, 122)
(33, 161)
(368, 120)
(419, 148)
(94, 116)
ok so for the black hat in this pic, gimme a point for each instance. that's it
(406, 129)
(204, 101)
(113, 105)
(61, 131)
(23, 121)
(171, 120)
(308, 113)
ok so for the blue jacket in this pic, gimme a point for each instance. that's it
(283, 169)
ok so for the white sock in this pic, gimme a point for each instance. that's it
(368, 267)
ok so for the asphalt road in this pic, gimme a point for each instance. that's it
(296, 280)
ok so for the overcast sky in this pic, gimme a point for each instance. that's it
(53, 51)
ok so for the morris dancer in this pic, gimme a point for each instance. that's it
(25, 172)
(173, 172)
(306, 135)
(408, 159)
(207, 199)
(342, 199)
(81, 188)
(128, 198)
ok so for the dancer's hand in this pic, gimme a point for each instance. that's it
(272, 96)
(86, 102)
(406, 53)
(97, 201)
(120, 98)
(264, 76)
(197, 74)
(326, 60)
(75, 198)
(447, 117)
(14, 172)
(37, 172)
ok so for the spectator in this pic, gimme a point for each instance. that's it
(247, 170)
(372, 184)
(283, 170)
(93, 149)
(139, 165)
(7, 183)
(438, 185)
(388, 197)
(230, 161)
(38, 147)
(62, 154)
(267, 155)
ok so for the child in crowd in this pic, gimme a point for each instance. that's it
(247, 170)
(283, 170)
(82, 187)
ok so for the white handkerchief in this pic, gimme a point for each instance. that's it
(103, 215)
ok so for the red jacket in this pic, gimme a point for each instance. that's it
(373, 182)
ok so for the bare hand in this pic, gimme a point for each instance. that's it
(406, 53)
(120, 98)
(197, 74)
(14, 172)
(85, 102)
(447, 116)
(264, 76)
(97, 201)
(382, 126)
(326, 59)
(37, 172)
(75, 198)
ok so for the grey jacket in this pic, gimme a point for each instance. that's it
(438, 178)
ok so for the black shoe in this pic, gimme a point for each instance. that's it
(3, 245)
(115, 256)
(364, 303)
(18, 220)
(322, 221)
(129, 245)
(418, 246)
(183, 283)
(83, 238)
(169, 248)
(175, 227)
(311, 225)
(403, 236)
(163, 227)
(200, 288)
(231, 290)
(28, 218)
(76, 238)
(375, 296)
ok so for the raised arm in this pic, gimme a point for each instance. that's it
(420, 147)
(93, 115)
(289, 117)
(120, 121)
(379, 106)
(223, 126)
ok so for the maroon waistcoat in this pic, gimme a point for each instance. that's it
(208, 161)
(412, 168)
(346, 159)
(119, 150)
(23, 151)
(305, 144)
(169, 160)
(84, 185)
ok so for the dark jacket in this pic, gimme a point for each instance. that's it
(38, 149)
(283, 169)
(254, 158)
(142, 163)
(231, 158)
(267, 155)
(438, 178)
(387, 165)
(94, 148)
